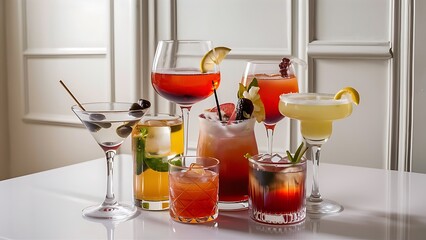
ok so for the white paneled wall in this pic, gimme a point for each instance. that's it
(103, 50)
(76, 41)
(344, 42)
(259, 31)
(350, 45)
(357, 140)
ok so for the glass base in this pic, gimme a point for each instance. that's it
(323, 207)
(278, 218)
(152, 205)
(233, 206)
(113, 212)
(192, 220)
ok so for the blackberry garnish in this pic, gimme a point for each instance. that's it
(284, 67)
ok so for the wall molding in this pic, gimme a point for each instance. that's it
(60, 53)
(63, 52)
(352, 50)
(52, 119)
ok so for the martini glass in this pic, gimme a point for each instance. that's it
(316, 113)
(110, 123)
(176, 75)
(272, 83)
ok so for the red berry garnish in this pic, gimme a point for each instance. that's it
(284, 66)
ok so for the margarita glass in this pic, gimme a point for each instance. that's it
(272, 83)
(176, 75)
(316, 113)
(110, 123)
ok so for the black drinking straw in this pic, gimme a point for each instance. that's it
(217, 102)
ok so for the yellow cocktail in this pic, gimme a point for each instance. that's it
(155, 140)
(316, 112)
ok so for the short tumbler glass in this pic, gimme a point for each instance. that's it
(276, 189)
(193, 189)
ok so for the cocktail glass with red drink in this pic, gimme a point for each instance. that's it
(274, 78)
(176, 75)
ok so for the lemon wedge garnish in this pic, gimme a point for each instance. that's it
(212, 58)
(348, 91)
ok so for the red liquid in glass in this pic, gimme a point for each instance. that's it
(269, 196)
(270, 91)
(185, 87)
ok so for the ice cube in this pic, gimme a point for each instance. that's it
(158, 141)
(211, 115)
(276, 158)
(196, 168)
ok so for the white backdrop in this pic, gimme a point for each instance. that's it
(103, 50)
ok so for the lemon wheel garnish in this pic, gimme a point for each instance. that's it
(212, 58)
(348, 91)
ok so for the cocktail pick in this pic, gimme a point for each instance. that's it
(217, 102)
(72, 95)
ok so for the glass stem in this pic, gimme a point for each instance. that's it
(185, 117)
(110, 198)
(270, 135)
(315, 194)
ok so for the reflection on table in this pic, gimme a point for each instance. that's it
(378, 204)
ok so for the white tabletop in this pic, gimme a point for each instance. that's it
(379, 204)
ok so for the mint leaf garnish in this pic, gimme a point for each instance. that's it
(298, 154)
(242, 88)
(160, 164)
(253, 83)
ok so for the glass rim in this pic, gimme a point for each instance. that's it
(275, 164)
(312, 99)
(184, 41)
(269, 61)
(224, 123)
(159, 114)
(76, 107)
(293, 59)
(161, 117)
(216, 164)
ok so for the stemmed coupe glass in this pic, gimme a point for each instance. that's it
(110, 123)
(176, 75)
(316, 113)
(274, 78)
